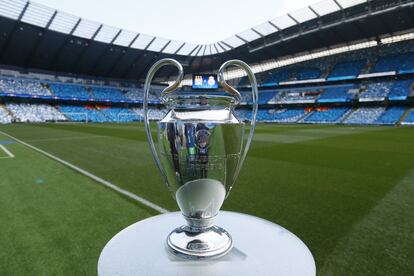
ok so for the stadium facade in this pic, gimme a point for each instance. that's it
(338, 61)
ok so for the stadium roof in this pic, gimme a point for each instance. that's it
(43, 16)
(34, 36)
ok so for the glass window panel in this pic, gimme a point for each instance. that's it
(63, 22)
(224, 46)
(325, 7)
(142, 41)
(188, 47)
(233, 41)
(213, 49)
(303, 15)
(125, 38)
(265, 28)
(158, 44)
(220, 50)
(209, 50)
(198, 50)
(283, 22)
(201, 52)
(249, 35)
(86, 28)
(172, 47)
(106, 34)
(37, 15)
(349, 3)
(12, 8)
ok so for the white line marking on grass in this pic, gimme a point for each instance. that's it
(65, 138)
(94, 177)
(10, 155)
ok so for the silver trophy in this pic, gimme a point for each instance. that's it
(200, 154)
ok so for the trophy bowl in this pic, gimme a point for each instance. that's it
(201, 148)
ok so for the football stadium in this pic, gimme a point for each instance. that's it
(331, 160)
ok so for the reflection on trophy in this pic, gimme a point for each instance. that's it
(201, 149)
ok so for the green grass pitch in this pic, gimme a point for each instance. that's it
(347, 192)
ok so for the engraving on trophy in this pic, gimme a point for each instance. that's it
(200, 152)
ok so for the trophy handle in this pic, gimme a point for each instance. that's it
(231, 90)
(159, 64)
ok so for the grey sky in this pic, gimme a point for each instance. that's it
(200, 22)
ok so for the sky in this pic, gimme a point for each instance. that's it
(195, 21)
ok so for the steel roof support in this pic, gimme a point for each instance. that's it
(121, 56)
(294, 19)
(80, 56)
(149, 44)
(231, 47)
(34, 49)
(179, 48)
(63, 44)
(339, 5)
(274, 25)
(108, 46)
(215, 47)
(165, 46)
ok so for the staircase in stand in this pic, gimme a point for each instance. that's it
(406, 113)
(2, 106)
(303, 117)
(346, 115)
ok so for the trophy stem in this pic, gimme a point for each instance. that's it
(200, 239)
(199, 224)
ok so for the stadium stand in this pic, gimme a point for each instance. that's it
(401, 62)
(294, 92)
(135, 94)
(65, 90)
(348, 69)
(307, 73)
(116, 114)
(298, 95)
(337, 93)
(35, 113)
(275, 77)
(409, 120)
(391, 116)
(22, 86)
(107, 93)
(285, 115)
(326, 115)
(376, 91)
(364, 115)
(400, 90)
(83, 113)
(5, 117)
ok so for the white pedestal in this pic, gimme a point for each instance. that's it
(260, 248)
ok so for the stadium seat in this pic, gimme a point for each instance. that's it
(35, 112)
(348, 69)
(107, 93)
(328, 115)
(23, 86)
(66, 90)
(391, 116)
(5, 117)
(364, 115)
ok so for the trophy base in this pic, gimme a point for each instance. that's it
(211, 242)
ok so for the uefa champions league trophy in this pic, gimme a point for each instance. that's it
(200, 154)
